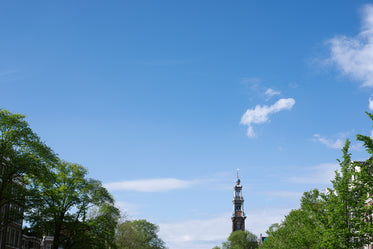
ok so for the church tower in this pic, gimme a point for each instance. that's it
(238, 216)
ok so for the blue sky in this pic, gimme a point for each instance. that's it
(163, 100)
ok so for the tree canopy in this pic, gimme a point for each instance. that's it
(298, 230)
(138, 234)
(64, 197)
(341, 217)
(57, 198)
(240, 240)
(21, 153)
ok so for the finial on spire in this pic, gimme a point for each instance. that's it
(237, 172)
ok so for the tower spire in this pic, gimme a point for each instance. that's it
(238, 216)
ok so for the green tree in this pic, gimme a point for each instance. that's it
(349, 223)
(98, 232)
(241, 240)
(63, 197)
(138, 234)
(21, 153)
(330, 220)
(302, 228)
(364, 184)
(342, 207)
(339, 218)
(298, 230)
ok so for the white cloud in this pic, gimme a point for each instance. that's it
(257, 88)
(150, 185)
(259, 220)
(358, 146)
(127, 208)
(207, 233)
(260, 114)
(270, 93)
(353, 56)
(333, 144)
(337, 143)
(192, 231)
(370, 103)
(320, 174)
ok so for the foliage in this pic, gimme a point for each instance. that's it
(21, 153)
(97, 232)
(348, 223)
(339, 218)
(301, 228)
(138, 234)
(63, 197)
(103, 227)
(298, 230)
(55, 195)
(240, 240)
(342, 205)
(243, 239)
(364, 184)
(326, 220)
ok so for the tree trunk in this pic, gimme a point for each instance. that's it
(57, 233)
(56, 238)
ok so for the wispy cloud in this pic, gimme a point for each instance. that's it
(358, 146)
(371, 103)
(207, 233)
(353, 56)
(151, 185)
(270, 93)
(320, 174)
(259, 220)
(213, 229)
(257, 88)
(260, 114)
(333, 144)
(337, 143)
(128, 208)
